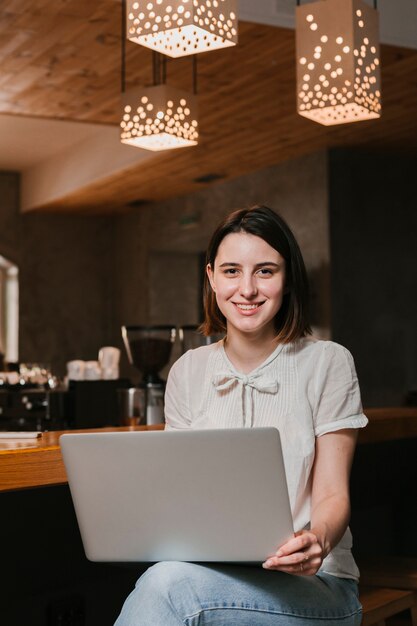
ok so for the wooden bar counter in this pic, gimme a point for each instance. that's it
(26, 463)
(38, 463)
(389, 424)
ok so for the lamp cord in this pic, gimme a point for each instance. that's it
(164, 69)
(194, 60)
(123, 51)
(159, 68)
(155, 67)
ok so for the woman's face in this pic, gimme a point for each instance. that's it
(248, 279)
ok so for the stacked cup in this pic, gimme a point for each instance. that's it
(75, 369)
(108, 358)
(92, 370)
(106, 368)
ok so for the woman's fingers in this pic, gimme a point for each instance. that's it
(304, 567)
(291, 561)
(300, 555)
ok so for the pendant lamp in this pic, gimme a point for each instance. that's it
(160, 117)
(181, 27)
(338, 61)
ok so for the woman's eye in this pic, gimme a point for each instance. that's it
(264, 271)
(231, 271)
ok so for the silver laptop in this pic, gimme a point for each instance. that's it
(191, 495)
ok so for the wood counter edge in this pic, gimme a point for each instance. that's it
(388, 424)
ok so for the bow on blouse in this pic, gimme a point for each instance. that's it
(226, 380)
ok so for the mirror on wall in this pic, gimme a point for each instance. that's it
(9, 312)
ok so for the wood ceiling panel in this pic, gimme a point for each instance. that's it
(61, 59)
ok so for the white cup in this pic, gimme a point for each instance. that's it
(108, 357)
(75, 369)
(92, 370)
(12, 378)
(110, 373)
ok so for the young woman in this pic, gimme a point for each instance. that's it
(266, 372)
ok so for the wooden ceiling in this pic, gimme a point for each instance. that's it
(61, 59)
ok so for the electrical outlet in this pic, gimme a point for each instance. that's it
(68, 611)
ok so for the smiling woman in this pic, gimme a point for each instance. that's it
(266, 372)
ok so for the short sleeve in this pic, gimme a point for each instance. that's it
(177, 402)
(337, 396)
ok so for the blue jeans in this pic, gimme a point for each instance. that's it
(191, 594)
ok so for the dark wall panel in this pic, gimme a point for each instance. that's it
(373, 225)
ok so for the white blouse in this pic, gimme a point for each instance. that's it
(304, 389)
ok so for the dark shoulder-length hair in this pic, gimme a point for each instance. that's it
(291, 321)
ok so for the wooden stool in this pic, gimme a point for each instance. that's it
(381, 603)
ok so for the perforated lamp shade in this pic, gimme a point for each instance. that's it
(181, 27)
(159, 118)
(337, 52)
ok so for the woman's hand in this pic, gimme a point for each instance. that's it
(302, 555)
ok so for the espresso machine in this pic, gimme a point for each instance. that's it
(148, 349)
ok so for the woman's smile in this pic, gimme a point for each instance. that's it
(248, 309)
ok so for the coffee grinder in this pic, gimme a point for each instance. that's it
(149, 349)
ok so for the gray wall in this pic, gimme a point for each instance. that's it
(65, 279)
(297, 189)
